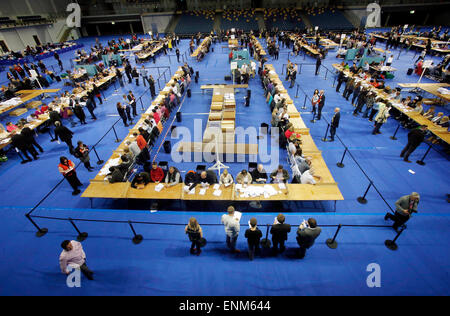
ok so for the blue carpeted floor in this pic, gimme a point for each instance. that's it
(161, 265)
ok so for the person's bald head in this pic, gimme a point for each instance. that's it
(203, 175)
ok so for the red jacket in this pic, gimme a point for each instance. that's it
(141, 142)
(157, 175)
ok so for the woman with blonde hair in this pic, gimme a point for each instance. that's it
(194, 231)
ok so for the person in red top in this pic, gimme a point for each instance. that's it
(165, 111)
(141, 142)
(67, 169)
(156, 116)
(143, 146)
(156, 174)
(290, 132)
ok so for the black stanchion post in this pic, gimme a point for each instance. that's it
(324, 139)
(142, 104)
(332, 243)
(390, 244)
(81, 236)
(304, 102)
(41, 231)
(137, 238)
(265, 242)
(334, 81)
(340, 164)
(117, 138)
(395, 133)
(296, 93)
(99, 161)
(362, 199)
(326, 73)
(159, 86)
(421, 162)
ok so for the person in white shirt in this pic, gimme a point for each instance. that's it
(134, 148)
(232, 228)
(308, 177)
(390, 60)
(73, 256)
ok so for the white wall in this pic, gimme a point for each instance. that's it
(14, 8)
(18, 38)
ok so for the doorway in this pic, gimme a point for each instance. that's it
(36, 40)
(3, 46)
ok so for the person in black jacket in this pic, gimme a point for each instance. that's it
(279, 233)
(340, 80)
(82, 153)
(28, 134)
(64, 134)
(334, 123)
(135, 75)
(151, 82)
(19, 141)
(121, 111)
(415, 138)
(318, 63)
(90, 107)
(306, 235)
(128, 71)
(79, 113)
(253, 235)
(321, 104)
(96, 92)
(140, 180)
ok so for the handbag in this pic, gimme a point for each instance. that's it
(203, 242)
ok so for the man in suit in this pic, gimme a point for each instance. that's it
(279, 233)
(334, 123)
(415, 138)
(405, 206)
(64, 134)
(306, 235)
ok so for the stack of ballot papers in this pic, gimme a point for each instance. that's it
(159, 187)
(255, 191)
(109, 164)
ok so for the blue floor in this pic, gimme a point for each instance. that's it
(161, 265)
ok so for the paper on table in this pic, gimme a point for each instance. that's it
(217, 193)
(159, 187)
(202, 192)
(282, 186)
(216, 186)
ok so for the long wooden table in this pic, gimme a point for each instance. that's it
(25, 96)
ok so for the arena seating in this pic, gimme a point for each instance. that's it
(283, 19)
(195, 21)
(239, 19)
(327, 19)
(6, 21)
(31, 19)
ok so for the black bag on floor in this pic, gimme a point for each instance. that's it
(227, 78)
(410, 71)
(202, 242)
(189, 93)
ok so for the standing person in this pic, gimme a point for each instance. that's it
(318, 63)
(320, 104)
(306, 235)
(82, 153)
(90, 107)
(381, 118)
(144, 75)
(177, 52)
(415, 138)
(19, 142)
(119, 76)
(340, 80)
(96, 92)
(194, 231)
(279, 233)
(127, 105)
(128, 71)
(404, 207)
(64, 134)
(28, 135)
(334, 123)
(67, 169)
(253, 235)
(151, 83)
(293, 75)
(135, 75)
(232, 228)
(79, 113)
(121, 111)
(314, 102)
(132, 101)
(73, 256)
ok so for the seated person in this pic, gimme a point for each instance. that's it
(173, 177)
(10, 127)
(191, 178)
(308, 177)
(259, 175)
(156, 173)
(244, 178)
(437, 118)
(140, 180)
(115, 175)
(280, 175)
(226, 178)
(430, 113)
(205, 179)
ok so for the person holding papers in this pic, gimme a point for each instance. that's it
(253, 235)
(226, 178)
(308, 177)
(259, 175)
(232, 228)
(244, 178)
(306, 235)
(280, 175)
(140, 180)
(279, 233)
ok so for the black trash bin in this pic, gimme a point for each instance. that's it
(189, 93)
(178, 116)
(167, 147)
